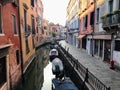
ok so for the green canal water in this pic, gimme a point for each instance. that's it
(39, 74)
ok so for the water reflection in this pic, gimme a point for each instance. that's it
(47, 77)
(39, 74)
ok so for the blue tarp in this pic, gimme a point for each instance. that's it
(52, 46)
(66, 84)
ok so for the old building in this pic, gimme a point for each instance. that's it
(87, 25)
(63, 32)
(26, 31)
(39, 20)
(54, 30)
(73, 21)
(86, 21)
(99, 29)
(46, 29)
(110, 23)
(10, 61)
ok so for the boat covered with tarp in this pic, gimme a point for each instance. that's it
(53, 54)
(65, 84)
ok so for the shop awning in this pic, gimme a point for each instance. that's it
(80, 37)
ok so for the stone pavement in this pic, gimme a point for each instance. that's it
(100, 69)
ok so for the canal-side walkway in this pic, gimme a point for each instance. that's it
(97, 67)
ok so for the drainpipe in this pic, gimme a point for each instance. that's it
(21, 54)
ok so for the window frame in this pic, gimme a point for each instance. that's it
(98, 15)
(27, 45)
(1, 26)
(92, 15)
(25, 20)
(14, 24)
(117, 46)
(118, 4)
(32, 3)
(17, 57)
(110, 3)
(33, 24)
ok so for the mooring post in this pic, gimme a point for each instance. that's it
(67, 51)
(77, 64)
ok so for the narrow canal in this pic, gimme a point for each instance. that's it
(39, 75)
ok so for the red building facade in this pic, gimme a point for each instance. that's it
(87, 22)
(9, 45)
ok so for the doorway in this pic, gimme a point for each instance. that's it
(107, 51)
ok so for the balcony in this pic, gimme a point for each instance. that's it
(111, 21)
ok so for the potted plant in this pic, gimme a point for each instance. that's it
(116, 11)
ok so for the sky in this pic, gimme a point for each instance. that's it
(55, 10)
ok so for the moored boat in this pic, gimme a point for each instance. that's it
(65, 84)
(53, 54)
(57, 68)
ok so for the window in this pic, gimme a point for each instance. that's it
(25, 20)
(97, 15)
(27, 46)
(33, 43)
(28, 29)
(32, 3)
(119, 4)
(86, 18)
(117, 45)
(17, 57)
(45, 28)
(33, 25)
(110, 5)
(2, 70)
(14, 24)
(92, 18)
(1, 30)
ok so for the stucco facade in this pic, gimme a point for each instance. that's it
(110, 23)
(54, 30)
(9, 45)
(26, 15)
(73, 9)
(39, 20)
(46, 29)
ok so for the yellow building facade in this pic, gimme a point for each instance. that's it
(73, 9)
(88, 6)
(26, 16)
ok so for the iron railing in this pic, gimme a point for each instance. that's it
(111, 20)
(83, 71)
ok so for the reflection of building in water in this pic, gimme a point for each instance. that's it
(41, 61)
(39, 78)
(45, 56)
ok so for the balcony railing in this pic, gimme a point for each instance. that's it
(111, 21)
